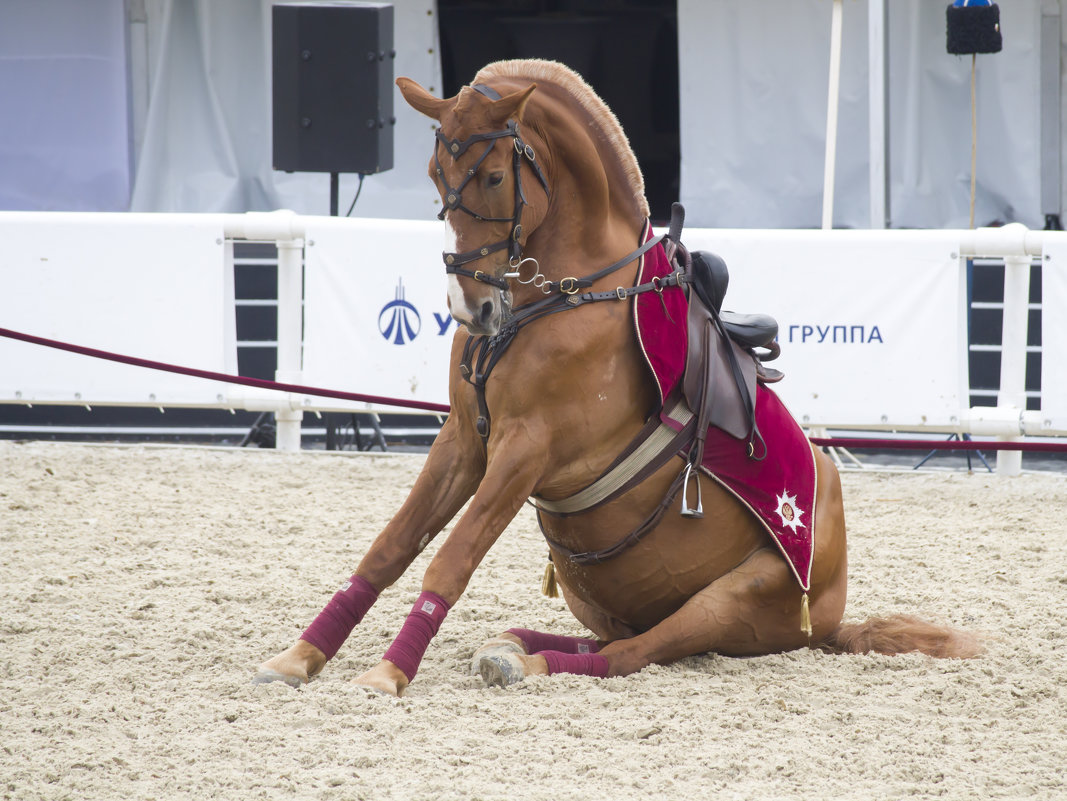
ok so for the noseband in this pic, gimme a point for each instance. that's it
(454, 195)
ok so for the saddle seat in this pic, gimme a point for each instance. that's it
(750, 330)
(710, 279)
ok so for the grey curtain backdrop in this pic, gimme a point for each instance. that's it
(754, 99)
(164, 105)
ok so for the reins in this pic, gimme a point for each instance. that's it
(482, 353)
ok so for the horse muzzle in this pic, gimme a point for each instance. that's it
(482, 314)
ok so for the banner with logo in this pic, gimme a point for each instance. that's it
(1054, 331)
(376, 317)
(871, 324)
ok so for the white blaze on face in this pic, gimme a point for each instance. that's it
(457, 303)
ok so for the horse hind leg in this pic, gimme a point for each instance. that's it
(516, 653)
(512, 655)
(501, 645)
(755, 609)
(508, 657)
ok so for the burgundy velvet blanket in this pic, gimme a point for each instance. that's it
(779, 489)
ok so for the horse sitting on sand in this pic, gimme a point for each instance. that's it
(595, 374)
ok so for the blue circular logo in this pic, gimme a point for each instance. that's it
(399, 321)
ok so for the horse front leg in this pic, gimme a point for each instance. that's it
(508, 482)
(447, 480)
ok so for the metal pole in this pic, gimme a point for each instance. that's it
(1051, 141)
(833, 94)
(1012, 393)
(290, 336)
(878, 112)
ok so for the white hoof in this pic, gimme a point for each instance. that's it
(493, 648)
(501, 670)
(266, 676)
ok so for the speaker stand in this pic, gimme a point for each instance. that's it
(335, 188)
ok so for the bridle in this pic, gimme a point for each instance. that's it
(453, 197)
(482, 353)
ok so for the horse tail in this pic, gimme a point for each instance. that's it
(901, 634)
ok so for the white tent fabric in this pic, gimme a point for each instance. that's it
(754, 99)
(64, 142)
(207, 144)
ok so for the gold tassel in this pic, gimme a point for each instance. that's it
(548, 582)
(805, 616)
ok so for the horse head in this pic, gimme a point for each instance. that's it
(479, 161)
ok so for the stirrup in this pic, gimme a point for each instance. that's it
(686, 510)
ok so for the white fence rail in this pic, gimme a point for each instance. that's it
(873, 324)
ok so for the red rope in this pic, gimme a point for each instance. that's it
(834, 442)
(230, 379)
(928, 445)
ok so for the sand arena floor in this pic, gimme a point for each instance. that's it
(140, 587)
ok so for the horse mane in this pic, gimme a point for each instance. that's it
(571, 82)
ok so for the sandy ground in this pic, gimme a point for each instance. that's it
(140, 586)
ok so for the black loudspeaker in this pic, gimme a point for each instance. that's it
(973, 28)
(333, 87)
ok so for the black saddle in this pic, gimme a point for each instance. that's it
(710, 279)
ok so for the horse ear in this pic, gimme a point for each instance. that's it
(512, 105)
(421, 100)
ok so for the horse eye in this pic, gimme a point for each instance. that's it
(496, 179)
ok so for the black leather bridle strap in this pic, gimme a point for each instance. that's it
(571, 286)
(481, 354)
(454, 195)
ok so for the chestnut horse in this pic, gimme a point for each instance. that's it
(539, 182)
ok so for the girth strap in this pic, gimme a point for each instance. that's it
(656, 444)
(647, 526)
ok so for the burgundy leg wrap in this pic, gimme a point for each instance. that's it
(534, 641)
(421, 625)
(331, 628)
(579, 664)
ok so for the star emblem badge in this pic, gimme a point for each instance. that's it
(789, 512)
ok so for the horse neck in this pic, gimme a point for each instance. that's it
(592, 219)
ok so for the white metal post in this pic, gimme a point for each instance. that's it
(1012, 393)
(877, 112)
(832, 97)
(290, 336)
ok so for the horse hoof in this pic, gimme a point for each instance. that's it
(267, 676)
(493, 648)
(501, 670)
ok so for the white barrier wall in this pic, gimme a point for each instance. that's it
(151, 286)
(872, 324)
(1054, 334)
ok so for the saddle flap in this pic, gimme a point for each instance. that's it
(709, 384)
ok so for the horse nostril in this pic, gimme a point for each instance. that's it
(487, 312)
